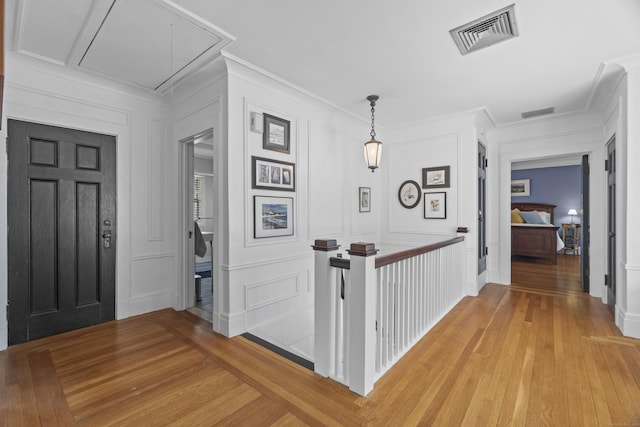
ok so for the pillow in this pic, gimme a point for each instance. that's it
(516, 218)
(532, 217)
(546, 216)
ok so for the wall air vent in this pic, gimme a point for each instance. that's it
(493, 28)
(536, 113)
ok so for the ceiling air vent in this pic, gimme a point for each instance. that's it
(536, 113)
(493, 28)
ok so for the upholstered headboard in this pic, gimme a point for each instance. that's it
(544, 207)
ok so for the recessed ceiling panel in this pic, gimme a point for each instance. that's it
(48, 29)
(151, 44)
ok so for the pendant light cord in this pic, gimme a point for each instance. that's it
(373, 111)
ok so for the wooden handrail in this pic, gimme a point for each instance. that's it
(381, 261)
(410, 253)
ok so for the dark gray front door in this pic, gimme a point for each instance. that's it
(610, 279)
(62, 231)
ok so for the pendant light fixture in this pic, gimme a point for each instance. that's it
(372, 148)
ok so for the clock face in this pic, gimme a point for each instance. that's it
(409, 194)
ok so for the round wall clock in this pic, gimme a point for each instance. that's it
(409, 194)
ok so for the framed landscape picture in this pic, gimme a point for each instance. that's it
(520, 187)
(272, 174)
(272, 217)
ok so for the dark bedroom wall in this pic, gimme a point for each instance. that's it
(559, 186)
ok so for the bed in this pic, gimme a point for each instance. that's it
(533, 238)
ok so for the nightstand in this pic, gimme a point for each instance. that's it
(571, 238)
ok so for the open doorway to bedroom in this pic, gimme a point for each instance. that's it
(549, 201)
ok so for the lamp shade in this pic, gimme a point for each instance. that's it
(572, 212)
(373, 153)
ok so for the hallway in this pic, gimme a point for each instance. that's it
(537, 353)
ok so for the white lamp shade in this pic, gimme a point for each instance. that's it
(373, 153)
(572, 212)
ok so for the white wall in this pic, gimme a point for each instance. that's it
(450, 141)
(198, 105)
(624, 104)
(539, 139)
(262, 279)
(44, 93)
(628, 311)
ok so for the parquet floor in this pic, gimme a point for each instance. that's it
(530, 354)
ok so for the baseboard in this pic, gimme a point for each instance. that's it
(4, 335)
(149, 303)
(629, 324)
(230, 325)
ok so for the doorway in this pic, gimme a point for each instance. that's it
(199, 208)
(61, 229)
(556, 184)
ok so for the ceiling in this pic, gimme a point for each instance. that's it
(342, 51)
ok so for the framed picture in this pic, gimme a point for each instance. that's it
(275, 136)
(520, 187)
(365, 199)
(435, 205)
(272, 216)
(437, 177)
(272, 174)
(409, 194)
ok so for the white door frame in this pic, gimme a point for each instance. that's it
(595, 151)
(186, 231)
(186, 293)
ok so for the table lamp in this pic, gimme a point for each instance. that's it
(573, 213)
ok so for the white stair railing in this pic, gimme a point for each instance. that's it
(390, 302)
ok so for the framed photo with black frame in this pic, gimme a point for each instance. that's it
(276, 134)
(272, 216)
(438, 177)
(435, 205)
(271, 174)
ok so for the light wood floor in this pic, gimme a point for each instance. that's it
(531, 354)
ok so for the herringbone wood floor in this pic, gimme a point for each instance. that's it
(537, 353)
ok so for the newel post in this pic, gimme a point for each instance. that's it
(324, 307)
(361, 300)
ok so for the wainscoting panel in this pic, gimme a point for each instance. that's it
(326, 182)
(152, 279)
(269, 292)
(156, 172)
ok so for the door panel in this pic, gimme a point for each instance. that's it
(610, 280)
(586, 226)
(482, 225)
(61, 203)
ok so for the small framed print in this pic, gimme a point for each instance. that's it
(520, 187)
(438, 177)
(272, 217)
(276, 134)
(364, 198)
(435, 205)
(272, 174)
